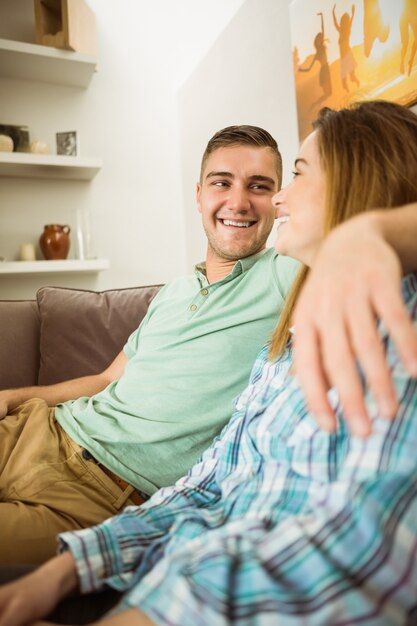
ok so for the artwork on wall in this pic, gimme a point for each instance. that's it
(347, 51)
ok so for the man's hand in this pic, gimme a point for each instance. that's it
(34, 596)
(356, 279)
(9, 400)
(4, 407)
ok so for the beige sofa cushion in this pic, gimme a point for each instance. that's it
(82, 331)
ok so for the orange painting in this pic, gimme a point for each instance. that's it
(347, 51)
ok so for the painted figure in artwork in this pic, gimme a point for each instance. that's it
(373, 25)
(408, 21)
(320, 45)
(347, 60)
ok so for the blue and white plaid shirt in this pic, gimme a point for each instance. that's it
(280, 522)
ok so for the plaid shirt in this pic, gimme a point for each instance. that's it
(279, 522)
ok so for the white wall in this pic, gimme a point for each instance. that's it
(170, 75)
(245, 78)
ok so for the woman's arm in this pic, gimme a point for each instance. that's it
(356, 279)
(34, 596)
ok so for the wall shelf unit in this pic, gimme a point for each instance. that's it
(29, 61)
(32, 62)
(71, 266)
(25, 165)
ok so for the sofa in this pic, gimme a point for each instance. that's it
(66, 333)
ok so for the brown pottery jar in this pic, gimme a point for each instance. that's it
(55, 241)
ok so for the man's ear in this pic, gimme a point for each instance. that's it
(198, 196)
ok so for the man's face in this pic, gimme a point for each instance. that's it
(234, 198)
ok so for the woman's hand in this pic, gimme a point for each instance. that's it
(130, 617)
(356, 278)
(34, 596)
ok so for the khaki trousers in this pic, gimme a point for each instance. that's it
(46, 486)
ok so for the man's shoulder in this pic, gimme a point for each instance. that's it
(269, 269)
(180, 284)
(281, 263)
(184, 279)
(283, 268)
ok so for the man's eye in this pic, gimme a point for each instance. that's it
(262, 187)
(294, 174)
(219, 183)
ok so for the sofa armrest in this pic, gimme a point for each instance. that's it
(19, 343)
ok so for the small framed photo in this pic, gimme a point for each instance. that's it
(66, 143)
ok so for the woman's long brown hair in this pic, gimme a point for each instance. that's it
(368, 153)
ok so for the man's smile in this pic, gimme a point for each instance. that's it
(237, 224)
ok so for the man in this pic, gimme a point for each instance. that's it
(116, 437)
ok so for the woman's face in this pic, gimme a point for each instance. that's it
(301, 206)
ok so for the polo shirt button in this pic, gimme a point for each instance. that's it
(86, 455)
(204, 292)
(193, 307)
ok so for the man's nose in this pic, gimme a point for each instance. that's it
(238, 199)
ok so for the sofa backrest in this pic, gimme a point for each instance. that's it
(67, 333)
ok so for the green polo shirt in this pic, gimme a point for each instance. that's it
(189, 358)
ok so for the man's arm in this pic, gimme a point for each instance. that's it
(355, 280)
(68, 390)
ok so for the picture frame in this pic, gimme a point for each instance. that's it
(346, 51)
(66, 143)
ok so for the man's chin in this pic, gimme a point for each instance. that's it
(239, 252)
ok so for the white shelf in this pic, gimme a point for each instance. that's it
(29, 61)
(26, 165)
(53, 267)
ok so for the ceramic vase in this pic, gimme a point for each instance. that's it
(55, 241)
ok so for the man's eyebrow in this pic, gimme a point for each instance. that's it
(262, 179)
(224, 174)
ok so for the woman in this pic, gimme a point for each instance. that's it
(280, 522)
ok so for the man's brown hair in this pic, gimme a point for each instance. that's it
(243, 135)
